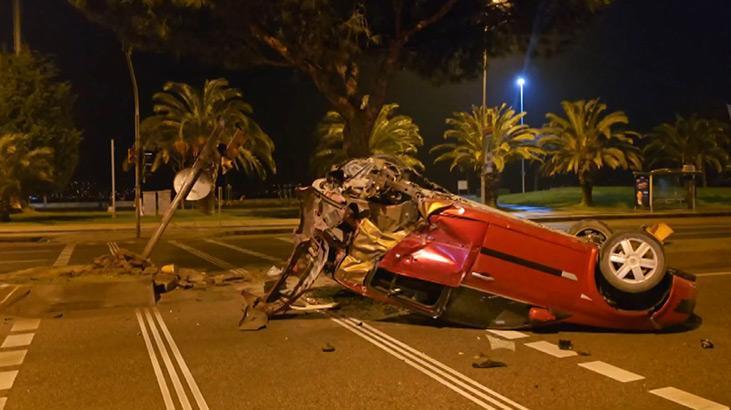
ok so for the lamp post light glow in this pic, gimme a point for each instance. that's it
(521, 82)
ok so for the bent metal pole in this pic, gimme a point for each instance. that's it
(202, 162)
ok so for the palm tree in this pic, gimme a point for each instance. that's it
(693, 140)
(185, 116)
(20, 168)
(587, 140)
(487, 139)
(392, 135)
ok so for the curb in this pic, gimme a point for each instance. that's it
(569, 218)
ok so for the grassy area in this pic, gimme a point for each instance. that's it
(607, 197)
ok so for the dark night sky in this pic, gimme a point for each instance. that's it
(650, 58)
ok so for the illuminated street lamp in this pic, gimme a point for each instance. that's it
(521, 82)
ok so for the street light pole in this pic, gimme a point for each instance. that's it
(114, 182)
(484, 138)
(521, 83)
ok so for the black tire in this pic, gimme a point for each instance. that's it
(591, 230)
(632, 262)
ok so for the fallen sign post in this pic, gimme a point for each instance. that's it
(203, 160)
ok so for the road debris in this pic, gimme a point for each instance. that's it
(565, 344)
(484, 362)
(327, 347)
(706, 344)
(498, 343)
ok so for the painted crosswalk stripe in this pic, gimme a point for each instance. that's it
(508, 334)
(468, 388)
(167, 399)
(688, 400)
(113, 248)
(550, 348)
(24, 325)
(3, 400)
(23, 339)
(156, 334)
(12, 358)
(7, 378)
(613, 372)
(245, 251)
(65, 255)
(192, 385)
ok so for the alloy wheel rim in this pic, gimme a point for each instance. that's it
(633, 260)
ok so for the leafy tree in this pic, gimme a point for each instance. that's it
(21, 168)
(485, 140)
(391, 135)
(331, 41)
(698, 141)
(185, 117)
(34, 103)
(587, 140)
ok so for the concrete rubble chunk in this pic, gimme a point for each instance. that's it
(165, 282)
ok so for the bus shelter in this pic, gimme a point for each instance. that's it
(666, 188)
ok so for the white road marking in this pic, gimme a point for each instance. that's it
(209, 258)
(155, 364)
(113, 248)
(550, 348)
(3, 400)
(23, 339)
(285, 239)
(24, 261)
(458, 382)
(181, 363)
(24, 325)
(613, 372)
(713, 274)
(7, 379)
(14, 288)
(12, 358)
(687, 399)
(65, 255)
(508, 334)
(182, 397)
(245, 251)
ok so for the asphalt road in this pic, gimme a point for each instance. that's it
(188, 353)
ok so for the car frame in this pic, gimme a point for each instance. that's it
(377, 232)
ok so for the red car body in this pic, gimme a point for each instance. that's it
(375, 231)
(551, 273)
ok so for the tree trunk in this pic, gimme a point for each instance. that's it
(492, 183)
(357, 134)
(587, 187)
(4, 210)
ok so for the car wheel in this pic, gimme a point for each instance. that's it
(632, 262)
(591, 230)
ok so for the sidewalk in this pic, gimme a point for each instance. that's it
(251, 225)
(568, 216)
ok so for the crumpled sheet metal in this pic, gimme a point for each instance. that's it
(369, 244)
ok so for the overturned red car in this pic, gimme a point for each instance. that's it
(385, 232)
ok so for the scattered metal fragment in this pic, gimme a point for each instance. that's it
(565, 344)
(484, 362)
(498, 343)
(706, 344)
(327, 347)
(583, 353)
